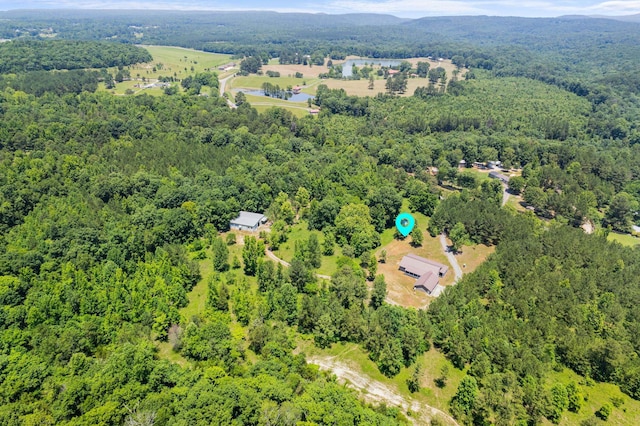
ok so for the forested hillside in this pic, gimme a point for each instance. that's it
(115, 210)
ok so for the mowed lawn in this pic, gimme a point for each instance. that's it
(300, 232)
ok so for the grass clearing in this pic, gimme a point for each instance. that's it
(300, 232)
(473, 256)
(596, 396)
(432, 362)
(168, 61)
(624, 239)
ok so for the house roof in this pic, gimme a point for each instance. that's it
(427, 282)
(420, 266)
(248, 219)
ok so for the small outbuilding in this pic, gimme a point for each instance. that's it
(248, 221)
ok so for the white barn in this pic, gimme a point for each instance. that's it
(247, 221)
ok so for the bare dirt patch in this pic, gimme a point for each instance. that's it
(377, 392)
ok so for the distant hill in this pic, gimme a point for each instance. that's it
(625, 18)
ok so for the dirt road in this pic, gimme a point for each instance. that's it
(376, 392)
(272, 256)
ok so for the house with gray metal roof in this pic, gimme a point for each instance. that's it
(248, 221)
(427, 272)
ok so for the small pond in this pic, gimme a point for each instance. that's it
(347, 67)
(300, 97)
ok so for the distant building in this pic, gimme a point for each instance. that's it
(227, 67)
(314, 111)
(248, 221)
(296, 90)
(427, 272)
(462, 164)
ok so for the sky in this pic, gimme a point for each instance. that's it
(400, 8)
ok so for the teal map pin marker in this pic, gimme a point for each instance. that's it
(405, 223)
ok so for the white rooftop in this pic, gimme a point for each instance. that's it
(249, 219)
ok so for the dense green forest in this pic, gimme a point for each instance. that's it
(111, 205)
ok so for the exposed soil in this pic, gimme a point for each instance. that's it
(377, 392)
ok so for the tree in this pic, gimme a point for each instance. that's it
(349, 286)
(220, 255)
(373, 266)
(575, 397)
(620, 213)
(250, 65)
(416, 237)
(240, 98)
(384, 205)
(379, 292)
(422, 69)
(604, 412)
(458, 236)
(535, 196)
(313, 256)
(464, 401)
(559, 403)
(371, 85)
(328, 244)
(413, 382)
(302, 197)
(251, 252)
(517, 184)
(353, 227)
(383, 256)
(299, 274)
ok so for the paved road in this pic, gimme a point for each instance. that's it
(452, 259)
(272, 256)
(223, 85)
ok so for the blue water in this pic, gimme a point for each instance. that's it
(300, 97)
(347, 67)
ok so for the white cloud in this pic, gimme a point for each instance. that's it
(417, 8)
(618, 7)
(404, 8)
(407, 8)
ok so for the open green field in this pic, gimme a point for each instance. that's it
(624, 239)
(169, 62)
(596, 395)
(299, 232)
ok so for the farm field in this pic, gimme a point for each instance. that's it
(167, 62)
(311, 79)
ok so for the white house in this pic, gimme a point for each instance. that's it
(247, 221)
